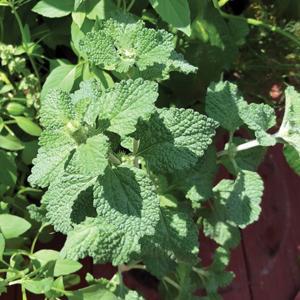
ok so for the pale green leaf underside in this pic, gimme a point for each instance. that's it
(290, 127)
(174, 138)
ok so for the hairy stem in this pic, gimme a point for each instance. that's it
(24, 296)
(246, 146)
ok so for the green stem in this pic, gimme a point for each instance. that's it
(10, 122)
(24, 296)
(121, 280)
(242, 147)
(129, 7)
(172, 282)
(9, 130)
(5, 263)
(36, 72)
(37, 237)
(27, 189)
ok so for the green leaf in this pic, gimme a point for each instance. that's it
(62, 266)
(1, 124)
(10, 142)
(292, 156)
(54, 8)
(28, 126)
(66, 267)
(214, 276)
(217, 228)
(15, 108)
(174, 139)
(96, 291)
(38, 286)
(13, 226)
(29, 152)
(176, 13)
(55, 148)
(62, 77)
(222, 104)
(216, 42)
(128, 46)
(2, 246)
(197, 182)
(241, 197)
(126, 102)
(46, 255)
(176, 236)
(100, 10)
(87, 163)
(8, 170)
(57, 289)
(126, 198)
(101, 240)
(239, 29)
(259, 118)
(186, 281)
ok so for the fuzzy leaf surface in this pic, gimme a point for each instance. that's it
(121, 45)
(126, 198)
(241, 197)
(222, 104)
(176, 237)
(259, 118)
(100, 240)
(126, 102)
(174, 138)
(197, 182)
(87, 163)
(55, 148)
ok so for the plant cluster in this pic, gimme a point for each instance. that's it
(127, 163)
